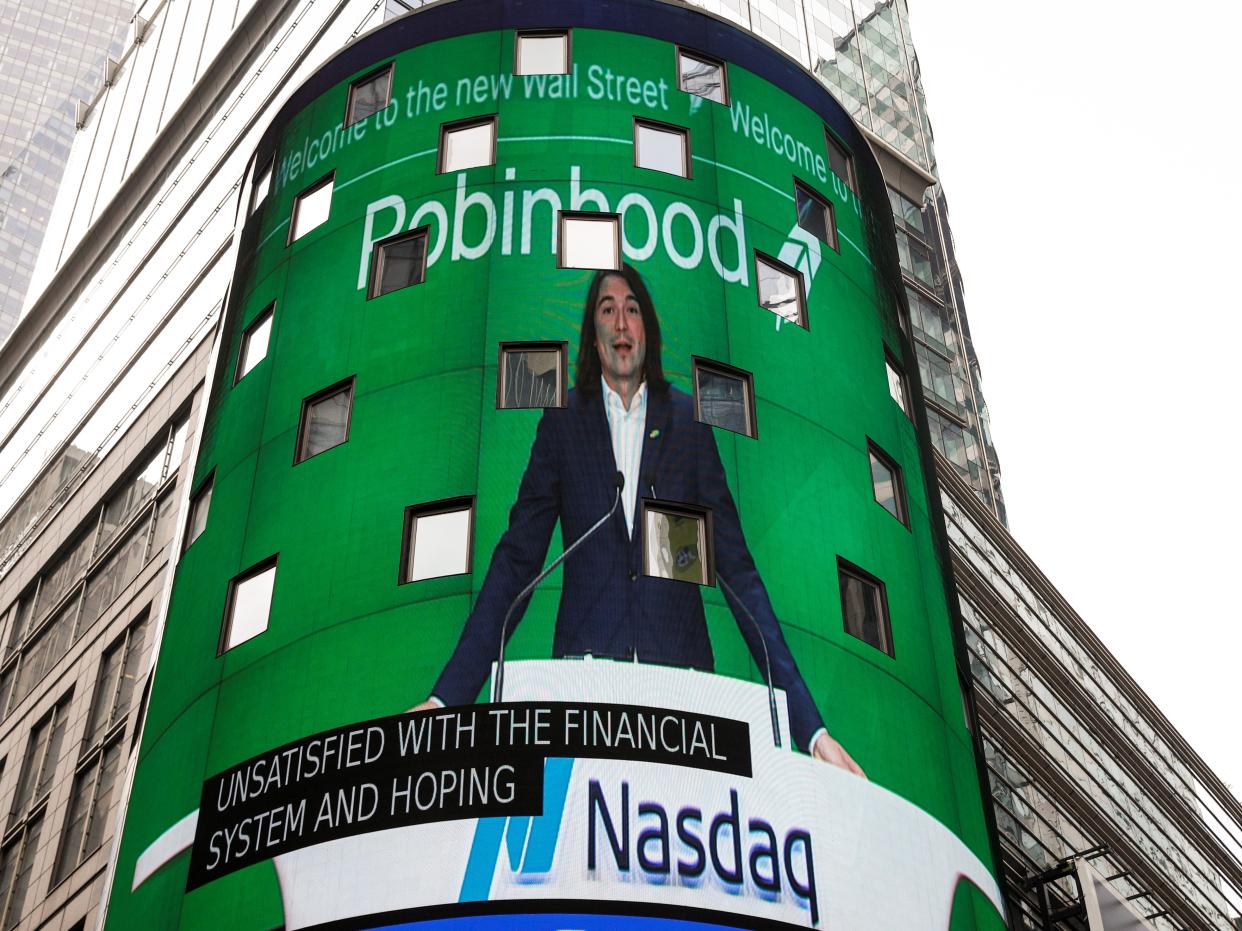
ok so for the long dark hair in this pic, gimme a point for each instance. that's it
(588, 368)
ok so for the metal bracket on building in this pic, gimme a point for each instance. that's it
(1054, 911)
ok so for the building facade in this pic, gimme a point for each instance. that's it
(102, 401)
(53, 58)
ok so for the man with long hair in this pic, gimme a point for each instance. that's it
(624, 416)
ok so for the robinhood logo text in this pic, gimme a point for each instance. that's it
(526, 221)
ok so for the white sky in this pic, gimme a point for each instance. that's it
(1089, 152)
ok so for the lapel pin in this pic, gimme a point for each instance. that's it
(654, 434)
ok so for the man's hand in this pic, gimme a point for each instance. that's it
(829, 751)
(431, 704)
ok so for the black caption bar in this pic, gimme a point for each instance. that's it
(446, 764)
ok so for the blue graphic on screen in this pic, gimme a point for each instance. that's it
(558, 922)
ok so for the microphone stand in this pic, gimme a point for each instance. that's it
(499, 690)
(767, 662)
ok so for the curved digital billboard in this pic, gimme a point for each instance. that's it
(560, 552)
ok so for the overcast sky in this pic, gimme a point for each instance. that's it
(1089, 153)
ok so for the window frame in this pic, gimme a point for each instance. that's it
(562, 216)
(469, 122)
(891, 362)
(230, 601)
(267, 313)
(661, 126)
(700, 363)
(560, 347)
(899, 482)
(804, 320)
(376, 274)
(264, 172)
(346, 384)
(832, 142)
(325, 181)
(387, 70)
(831, 220)
(205, 487)
(520, 34)
(680, 509)
(847, 568)
(431, 509)
(706, 59)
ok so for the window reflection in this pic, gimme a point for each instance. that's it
(398, 262)
(660, 147)
(724, 397)
(780, 289)
(541, 53)
(864, 607)
(249, 605)
(369, 95)
(886, 482)
(254, 342)
(676, 543)
(532, 375)
(325, 420)
(438, 539)
(815, 214)
(589, 240)
(702, 76)
(311, 208)
(468, 144)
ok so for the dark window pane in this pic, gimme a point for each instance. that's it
(368, 96)
(814, 215)
(325, 422)
(724, 400)
(399, 263)
(886, 482)
(839, 161)
(863, 610)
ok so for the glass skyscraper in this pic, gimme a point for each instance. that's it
(52, 54)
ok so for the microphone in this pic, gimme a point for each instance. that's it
(498, 692)
(767, 662)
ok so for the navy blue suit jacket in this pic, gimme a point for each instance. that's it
(608, 607)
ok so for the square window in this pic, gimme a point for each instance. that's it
(815, 214)
(864, 607)
(249, 605)
(438, 539)
(677, 542)
(369, 95)
(840, 161)
(532, 375)
(254, 342)
(467, 144)
(325, 420)
(262, 184)
(662, 147)
(896, 383)
(702, 76)
(200, 504)
(724, 397)
(398, 262)
(887, 483)
(541, 52)
(589, 240)
(310, 208)
(780, 289)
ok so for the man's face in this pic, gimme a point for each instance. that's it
(619, 334)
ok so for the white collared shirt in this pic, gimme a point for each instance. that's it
(627, 427)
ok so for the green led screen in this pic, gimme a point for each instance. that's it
(386, 481)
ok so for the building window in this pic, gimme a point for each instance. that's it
(724, 397)
(815, 214)
(662, 147)
(897, 383)
(325, 420)
(254, 342)
(103, 755)
(864, 607)
(467, 144)
(249, 604)
(677, 542)
(589, 240)
(369, 95)
(39, 765)
(398, 262)
(887, 483)
(702, 76)
(840, 161)
(541, 51)
(16, 867)
(438, 539)
(311, 208)
(532, 375)
(200, 504)
(262, 184)
(780, 289)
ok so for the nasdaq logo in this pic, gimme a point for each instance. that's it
(529, 841)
